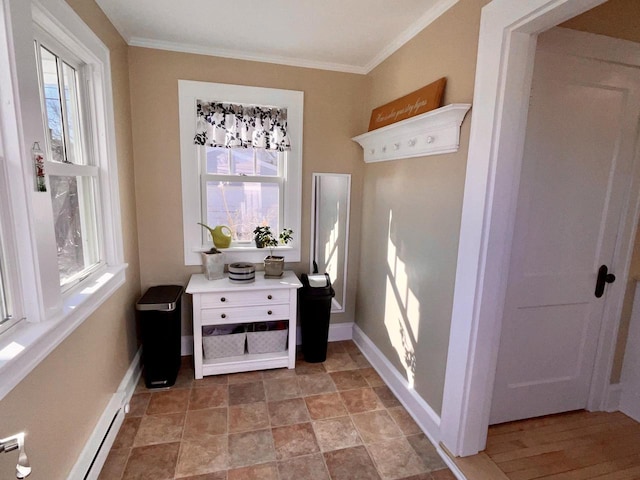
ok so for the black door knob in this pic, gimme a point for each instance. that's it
(604, 277)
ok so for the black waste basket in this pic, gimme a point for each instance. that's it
(159, 316)
(315, 312)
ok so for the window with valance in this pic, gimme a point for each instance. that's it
(245, 169)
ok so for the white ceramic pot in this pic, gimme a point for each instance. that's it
(213, 264)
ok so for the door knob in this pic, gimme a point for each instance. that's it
(604, 277)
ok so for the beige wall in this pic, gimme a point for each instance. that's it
(59, 403)
(412, 208)
(618, 19)
(332, 115)
(615, 18)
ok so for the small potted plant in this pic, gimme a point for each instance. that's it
(273, 264)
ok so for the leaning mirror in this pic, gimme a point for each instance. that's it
(330, 230)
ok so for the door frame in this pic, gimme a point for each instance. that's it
(506, 51)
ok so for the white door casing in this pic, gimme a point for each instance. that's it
(506, 47)
(574, 185)
(630, 379)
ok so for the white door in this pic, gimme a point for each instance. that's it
(574, 186)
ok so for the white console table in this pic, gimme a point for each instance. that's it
(219, 302)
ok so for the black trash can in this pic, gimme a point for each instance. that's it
(315, 313)
(158, 312)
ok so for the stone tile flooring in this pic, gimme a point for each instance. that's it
(335, 420)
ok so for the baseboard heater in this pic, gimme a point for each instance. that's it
(104, 447)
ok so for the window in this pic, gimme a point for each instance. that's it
(6, 311)
(239, 187)
(242, 203)
(72, 172)
(61, 252)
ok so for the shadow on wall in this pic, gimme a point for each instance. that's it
(407, 269)
(402, 308)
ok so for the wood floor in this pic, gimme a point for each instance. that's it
(570, 446)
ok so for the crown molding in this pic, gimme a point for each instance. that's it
(241, 55)
(423, 22)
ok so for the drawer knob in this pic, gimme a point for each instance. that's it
(269, 312)
(269, 297)
(223, 299)
(224, 315)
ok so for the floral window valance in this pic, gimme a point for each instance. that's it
(241, 126)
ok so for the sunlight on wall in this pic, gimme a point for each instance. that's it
(331, 247)
(402, 309)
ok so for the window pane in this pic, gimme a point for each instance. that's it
(218, 160)
(267, 162)
(74, 214)
(242, 206)
(74, 147)
(4, 305)
(52, 102)
(242, 161)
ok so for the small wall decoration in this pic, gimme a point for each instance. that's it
(38, 165)
(423, 100)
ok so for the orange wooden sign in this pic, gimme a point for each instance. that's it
(424, 100)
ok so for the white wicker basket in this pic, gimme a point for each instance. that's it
(267, 342)
(218, 346)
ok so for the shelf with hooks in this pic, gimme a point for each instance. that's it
(431, 133)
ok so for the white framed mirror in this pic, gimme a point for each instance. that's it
(330, 206)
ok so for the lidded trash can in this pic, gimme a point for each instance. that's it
(315, 312)
(158, 312)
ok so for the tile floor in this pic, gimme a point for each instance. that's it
(335, 420)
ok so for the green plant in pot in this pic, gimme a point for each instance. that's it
(264, 238)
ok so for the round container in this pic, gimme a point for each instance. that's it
(242, 272)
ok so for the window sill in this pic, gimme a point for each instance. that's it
(26, 344)
(249, 254)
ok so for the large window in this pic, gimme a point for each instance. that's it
(239, 187)
(61, 252)
(72, 172)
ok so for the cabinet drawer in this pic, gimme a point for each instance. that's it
(212, 316)
(256, 297)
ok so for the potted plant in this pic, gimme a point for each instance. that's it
(273, 264)
(212, 261)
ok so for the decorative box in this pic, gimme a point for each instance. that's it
(267, 342)
(218, 346)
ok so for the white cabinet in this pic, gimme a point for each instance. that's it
(220, 302)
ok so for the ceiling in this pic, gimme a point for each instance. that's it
(344, 35)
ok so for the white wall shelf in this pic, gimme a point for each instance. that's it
(431, 133)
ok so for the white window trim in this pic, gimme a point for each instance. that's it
(293, 101)
(50, 315)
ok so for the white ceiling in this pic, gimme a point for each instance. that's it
(343, 35)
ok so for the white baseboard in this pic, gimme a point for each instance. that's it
(612, 401)
(337, 332)
(341, 331)
(95, 451)
(421, 411)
